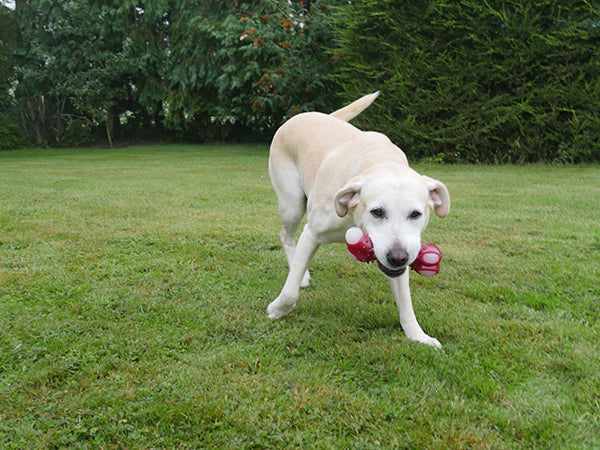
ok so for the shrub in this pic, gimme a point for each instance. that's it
(10, 136)
(498, 81)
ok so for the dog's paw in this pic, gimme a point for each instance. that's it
(276, 311)
(427, 340)
(305, 280)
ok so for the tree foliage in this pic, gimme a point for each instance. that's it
(78, 66)
(10, 137)
(7, 43)
(493, 81)
(249, 68)
(210, 68)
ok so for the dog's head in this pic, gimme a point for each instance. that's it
(393, 211)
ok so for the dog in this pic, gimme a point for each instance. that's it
(340, 177)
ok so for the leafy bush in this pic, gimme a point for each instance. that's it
(498, 81)
(10, 136)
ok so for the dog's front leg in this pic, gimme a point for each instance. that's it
(305, 250)
(408, 320)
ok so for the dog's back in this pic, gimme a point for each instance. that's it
(302, 143)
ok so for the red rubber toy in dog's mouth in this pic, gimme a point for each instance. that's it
(360, 246)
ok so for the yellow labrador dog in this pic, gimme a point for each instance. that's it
(342, 177)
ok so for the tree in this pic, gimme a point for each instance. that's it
(249, 67)
(9, 134)
(82, 64)
(209, 69)
(8, 37)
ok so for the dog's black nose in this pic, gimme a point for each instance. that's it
(397, 257)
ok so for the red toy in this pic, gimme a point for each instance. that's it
(428, 261)
(360, 246)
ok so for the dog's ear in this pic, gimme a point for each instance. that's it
(347, 197)
(438, 196)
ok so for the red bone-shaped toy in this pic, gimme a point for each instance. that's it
(360, 246)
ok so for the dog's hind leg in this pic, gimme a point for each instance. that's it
(292, 207)
(303, 254)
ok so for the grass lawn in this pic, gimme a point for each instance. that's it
(133, 288)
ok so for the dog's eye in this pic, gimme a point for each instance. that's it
(415, 214)
(378, 213)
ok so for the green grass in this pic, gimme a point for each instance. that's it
(133, 288)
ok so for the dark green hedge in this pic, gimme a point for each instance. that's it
(497, 81)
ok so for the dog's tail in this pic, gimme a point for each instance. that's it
(349, 112)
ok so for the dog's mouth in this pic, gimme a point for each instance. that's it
(392, 273)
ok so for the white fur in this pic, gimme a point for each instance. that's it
(341, 177)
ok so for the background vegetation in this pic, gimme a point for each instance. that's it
(495, 81)
(466, 81)
(133, 289)
(207, 70)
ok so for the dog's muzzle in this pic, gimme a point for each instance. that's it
(397, 259)
(392, 273)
